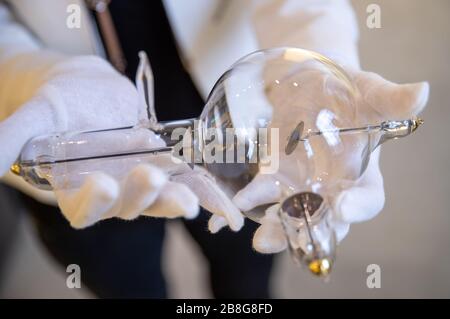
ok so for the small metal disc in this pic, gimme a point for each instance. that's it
(294, 138)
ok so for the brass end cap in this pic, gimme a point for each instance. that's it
(15, 169)
(320, 267)
(416, 123)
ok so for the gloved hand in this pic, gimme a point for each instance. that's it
(365, 198)
(360, 201)
(328, 27)
(86, 93)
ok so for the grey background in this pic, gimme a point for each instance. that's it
(409, 239)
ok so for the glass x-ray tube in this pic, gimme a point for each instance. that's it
(293, 99)
(43, 155)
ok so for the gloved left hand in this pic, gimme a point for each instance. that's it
(44, 92)
(49, 92)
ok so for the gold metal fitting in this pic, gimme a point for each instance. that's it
(416, 123)
(320, 267)
(15, 169)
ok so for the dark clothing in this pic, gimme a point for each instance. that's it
(143, 25)
(121, 258)
(10, 208)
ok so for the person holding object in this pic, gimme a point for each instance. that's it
(52, 86)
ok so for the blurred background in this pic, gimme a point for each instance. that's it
(409, 240)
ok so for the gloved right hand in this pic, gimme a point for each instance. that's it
(355, 199)
(361, 199)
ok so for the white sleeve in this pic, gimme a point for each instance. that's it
(18, 51)
(327, 26)
(23, 63)
(14, 37)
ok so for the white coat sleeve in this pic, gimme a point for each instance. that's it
(20, 53)
(326, 26)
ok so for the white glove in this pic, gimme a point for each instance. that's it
(358, 201)
(365, 198)
(328, 27)
(86, 93)
(43, 92)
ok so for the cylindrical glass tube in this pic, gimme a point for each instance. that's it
(63, 161)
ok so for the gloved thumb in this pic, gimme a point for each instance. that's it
(34, 118)
(365, 199)
(393, 101)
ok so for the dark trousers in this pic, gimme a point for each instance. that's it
(9, 220)
(122, 259)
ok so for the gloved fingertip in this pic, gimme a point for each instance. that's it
(140, 190)
(216, 223)
(151, 177)
(358, 204)
(391, 99)
(341, 230)
(235, 220)
(102, 185)
(94, 199)
(415, 97)
(175, 200)
(269, 239)
(191, 211)
(263, 189)
(190, 203)
(411, 98)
